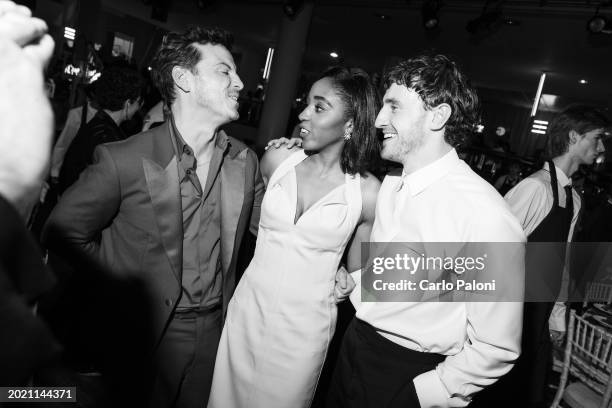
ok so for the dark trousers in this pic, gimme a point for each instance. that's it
(186, 361)
(372, 371)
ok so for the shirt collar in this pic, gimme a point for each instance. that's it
(180, 146)
(426, 176)
(562, 178)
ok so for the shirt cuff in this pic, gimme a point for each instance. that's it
(557, 318)
(431, 391)
(355, 295)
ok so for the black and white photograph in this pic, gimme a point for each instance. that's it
(306, 203)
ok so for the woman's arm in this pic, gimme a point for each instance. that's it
(272, 158)
(344, 282)
(369, 191)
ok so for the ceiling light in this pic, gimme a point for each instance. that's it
(429, 12)
(333, 54)
(583, 81)
(69, 33)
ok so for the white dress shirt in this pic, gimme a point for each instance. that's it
(447, 202)
(530, 201)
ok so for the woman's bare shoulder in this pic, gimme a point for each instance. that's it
(273, 157)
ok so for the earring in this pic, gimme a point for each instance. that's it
(347, 135)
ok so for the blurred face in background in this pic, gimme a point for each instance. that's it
(588, 146)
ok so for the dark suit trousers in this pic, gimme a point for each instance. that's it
(186, 361)
(372, 371)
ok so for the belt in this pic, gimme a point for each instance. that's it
(193, 312)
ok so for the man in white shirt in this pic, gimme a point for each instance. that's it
(430, 354)
(547, 207)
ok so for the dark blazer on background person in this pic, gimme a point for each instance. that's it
(100, 129)
(124, 213)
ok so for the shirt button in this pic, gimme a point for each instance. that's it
(168, 302)
(188, 171)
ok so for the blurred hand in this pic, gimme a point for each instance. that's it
(344, 285)
(290, 143)
(18, 25)
(27, 119)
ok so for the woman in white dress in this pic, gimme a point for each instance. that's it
(318, 201)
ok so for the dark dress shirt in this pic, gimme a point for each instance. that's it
(202, 273)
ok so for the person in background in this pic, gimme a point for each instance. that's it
(155, 116)
(507, 180)
(76, 118)
(548, 207)
(118, 97)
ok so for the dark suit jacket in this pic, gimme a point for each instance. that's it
(125, 214)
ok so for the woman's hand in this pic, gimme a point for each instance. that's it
(290, 143)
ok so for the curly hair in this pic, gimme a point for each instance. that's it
(116, 85)
(580, 118)
(437, 79)
(177, 49)
(361, 104)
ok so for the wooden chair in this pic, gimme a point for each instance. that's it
(588, 358)
(597, 292)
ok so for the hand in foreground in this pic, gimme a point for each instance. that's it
(290, 143)
(18, 25)
(27, 119)
(344, 285)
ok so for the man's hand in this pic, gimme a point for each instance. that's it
(290, 143)
(344, 285)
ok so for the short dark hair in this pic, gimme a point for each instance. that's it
(580, 118)
(361, 103)
(116, 85)
(437, 79)
(178, 49)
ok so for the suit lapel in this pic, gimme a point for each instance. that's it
(163, 184)
(232, 198)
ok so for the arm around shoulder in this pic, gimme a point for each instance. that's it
(272, 159)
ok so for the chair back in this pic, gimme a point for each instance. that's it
(597, 292)
(588, 357)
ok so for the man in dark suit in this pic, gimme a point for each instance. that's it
(169, 207)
